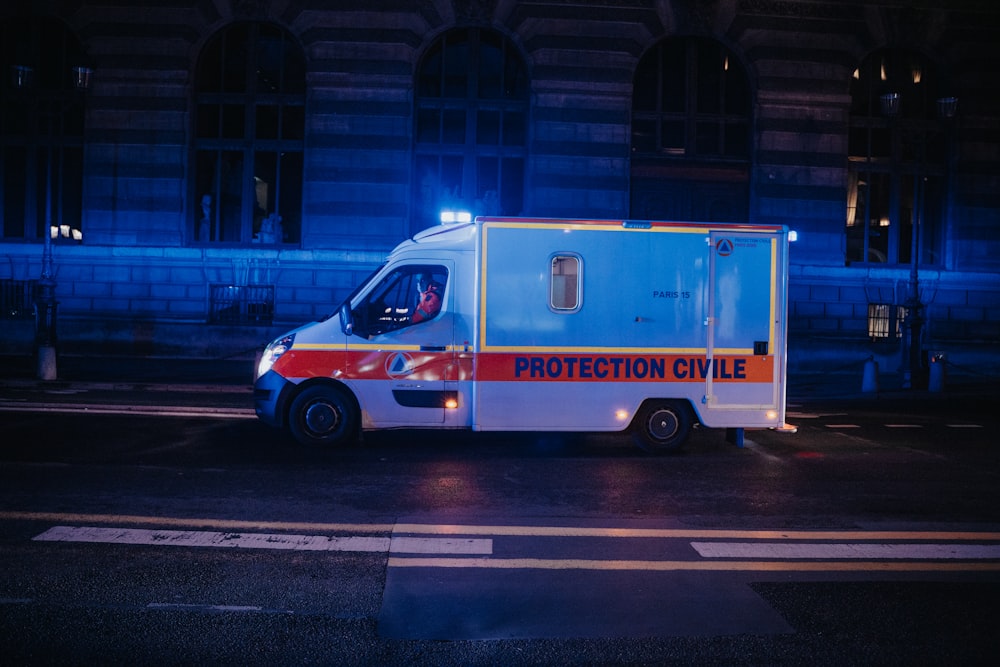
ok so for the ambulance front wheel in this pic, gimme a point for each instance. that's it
(662, 426)
(323, 416)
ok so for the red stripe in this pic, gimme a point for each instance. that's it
(521, 367)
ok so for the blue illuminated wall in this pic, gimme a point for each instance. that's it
(141, 272)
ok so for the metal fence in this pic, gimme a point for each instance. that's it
(241, 304)
(17, 299)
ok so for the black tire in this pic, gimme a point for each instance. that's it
(662, 426)
(323, 416)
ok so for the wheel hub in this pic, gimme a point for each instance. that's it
(321, 418)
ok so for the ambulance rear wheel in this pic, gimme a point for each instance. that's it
(662, 426)
(323, 416)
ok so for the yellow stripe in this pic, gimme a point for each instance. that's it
(689, 533)
(619, 350)
(516, 531)
(704, 566)
(774, 296)
(324, 347)
(598, 225)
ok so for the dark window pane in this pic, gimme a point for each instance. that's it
(456, 64)
(270, 61)
(429, 78)
(428, 126)
(491, 66)
(207, 124)
(514, 128)
(858, 142)
(14, 181)
(265, 183)
(515, 80)
(737, 90)
(206, 196)
(672, 137)
(673, 72)
(234, 59)
(293, 122)
(488, 128)
(644, 136)
(231, 195)
(267, 121)
(707, 138)
(736, 140)
(70, 189)
(426, 192)
(233, 121)
(219, 194)
(489, 179)
(290, 201)
(210, 68)
(710, 66)
(646, 85)
(512, 186)
(454, 127)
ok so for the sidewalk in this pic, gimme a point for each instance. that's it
(237, 374)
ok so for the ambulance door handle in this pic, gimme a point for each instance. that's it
(433, 348)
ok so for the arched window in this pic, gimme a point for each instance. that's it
(896, 164)
(41, 129)
(471, 127)
(248, 139)
(691, 111)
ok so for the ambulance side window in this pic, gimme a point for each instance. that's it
(407, 296)
(565, 284)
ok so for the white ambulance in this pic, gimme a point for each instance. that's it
(514, 324)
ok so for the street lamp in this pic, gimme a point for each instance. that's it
(946, 106)
(22, 79)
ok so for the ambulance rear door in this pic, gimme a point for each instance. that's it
(744, 340)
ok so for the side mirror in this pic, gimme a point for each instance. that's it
(346, 318)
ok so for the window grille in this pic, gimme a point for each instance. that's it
(885, 321)
(241, 304)
(17, 299)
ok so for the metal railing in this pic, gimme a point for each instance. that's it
(17, 299)
(241, 304)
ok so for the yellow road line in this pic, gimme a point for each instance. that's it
(507, 531)
(677, 565)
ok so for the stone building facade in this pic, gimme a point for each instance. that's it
(235, 167)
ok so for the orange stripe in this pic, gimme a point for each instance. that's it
(514, 367)
(598, 367)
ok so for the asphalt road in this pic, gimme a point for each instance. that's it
(151, 524)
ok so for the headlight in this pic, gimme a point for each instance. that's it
(274, 350)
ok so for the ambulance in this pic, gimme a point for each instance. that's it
(516, 324)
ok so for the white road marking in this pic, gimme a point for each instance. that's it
(842, 426)
(846, 550)
(202, 607)
(964, 425)
(145, 411)
(197, 538)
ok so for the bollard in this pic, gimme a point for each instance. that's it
(869, 383)
(47, 362)
(935, 381)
